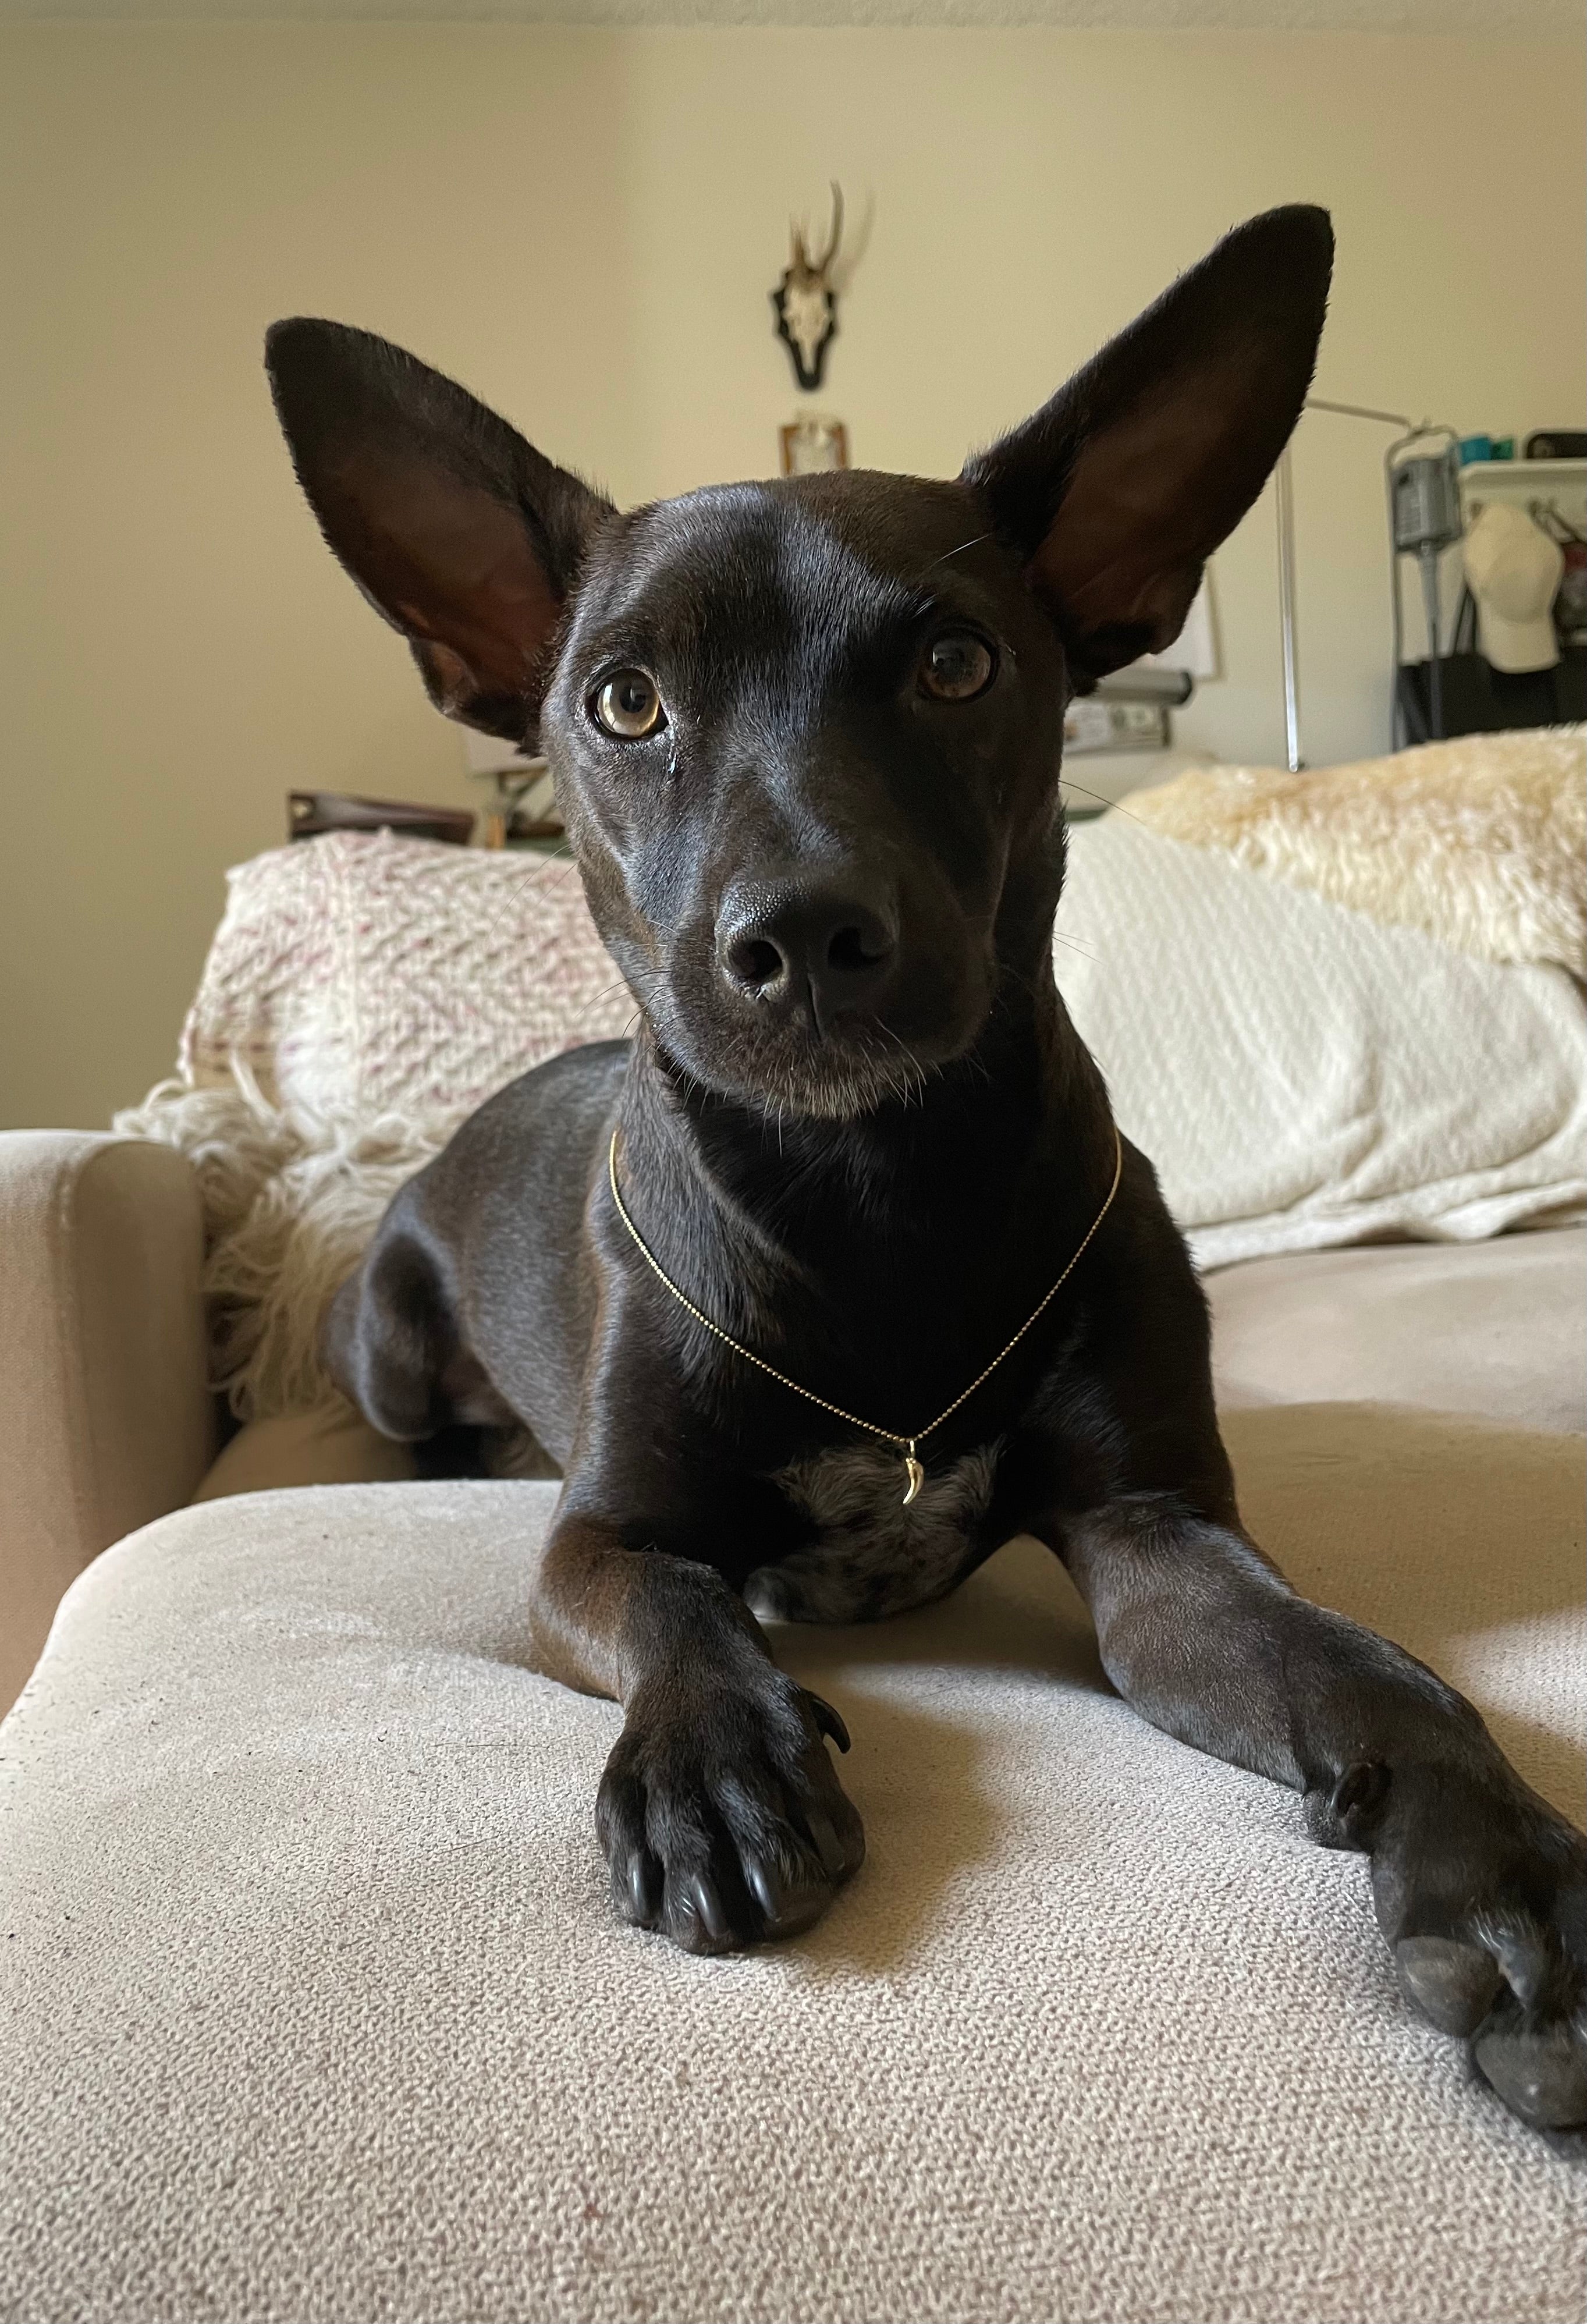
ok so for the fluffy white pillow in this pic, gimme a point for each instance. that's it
(1481, 841)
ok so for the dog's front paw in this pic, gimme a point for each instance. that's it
(721, 1820)
(1481, 1890)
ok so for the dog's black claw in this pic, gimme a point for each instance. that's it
(788, 1907)
(829, 1720)
(1530, 1964)
(694, 1904)
(1453, 1985)
(828, 1846)
(766, 1892)
(641, 1900)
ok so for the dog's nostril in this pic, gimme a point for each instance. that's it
(755, 963)
(849, 949)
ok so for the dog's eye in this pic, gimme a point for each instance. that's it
(629, 706)
(956, 667)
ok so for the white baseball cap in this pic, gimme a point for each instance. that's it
(1514, 570)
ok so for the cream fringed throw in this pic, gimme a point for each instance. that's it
(363, 994)
(1300, 1075)
(1481, 841)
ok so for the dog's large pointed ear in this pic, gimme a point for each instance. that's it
(462, 535)
(1118, 490)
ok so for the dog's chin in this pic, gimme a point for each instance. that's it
(849, 1073)
(843, 1087)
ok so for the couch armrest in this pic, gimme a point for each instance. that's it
(106, 1419)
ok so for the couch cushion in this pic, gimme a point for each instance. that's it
(1498, 1328)
(1304, 1077)
(103, 1418)
(316, 2011)
(332, 1444)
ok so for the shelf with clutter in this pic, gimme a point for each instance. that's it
(1510, 534)
(1562, 484)
(522, 810)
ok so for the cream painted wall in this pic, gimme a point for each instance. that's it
(583, 225)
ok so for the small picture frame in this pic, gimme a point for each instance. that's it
(814, 444)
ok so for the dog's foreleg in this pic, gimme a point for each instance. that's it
(1479, 1885)
(721, 1818)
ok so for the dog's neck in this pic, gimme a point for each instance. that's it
(945, 1166)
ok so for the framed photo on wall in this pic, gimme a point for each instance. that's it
(814, 444)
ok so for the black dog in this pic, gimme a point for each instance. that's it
(805, 736)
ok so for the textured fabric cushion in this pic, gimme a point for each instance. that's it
(329, 1445)
(105, 1421)
(316, 2011)
(373, 976)
(361, 996)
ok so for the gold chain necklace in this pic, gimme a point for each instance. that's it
(914, 1473)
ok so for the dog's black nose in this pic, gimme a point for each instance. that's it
(777, 940)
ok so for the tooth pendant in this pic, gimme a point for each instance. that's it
(914, 1473)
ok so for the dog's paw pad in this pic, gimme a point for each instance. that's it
(1541, 2075)
(1453, 1985)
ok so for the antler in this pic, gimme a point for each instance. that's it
(830, 252)
(804, 265)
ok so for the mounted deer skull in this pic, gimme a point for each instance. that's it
(805, 304)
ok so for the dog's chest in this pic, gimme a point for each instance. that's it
(870, 1554)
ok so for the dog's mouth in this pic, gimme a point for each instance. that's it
(846, 1073)
(850, 1065)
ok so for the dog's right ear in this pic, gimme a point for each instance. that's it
(462, 535)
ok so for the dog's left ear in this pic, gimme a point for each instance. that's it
(1118, 490)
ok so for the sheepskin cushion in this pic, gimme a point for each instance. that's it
(1481, 841)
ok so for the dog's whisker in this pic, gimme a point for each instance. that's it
(959, 551)
(1068, 783)
(1074, 944)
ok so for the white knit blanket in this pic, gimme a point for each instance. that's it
(1300, 1075)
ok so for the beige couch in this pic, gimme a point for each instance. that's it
(315, 2008)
